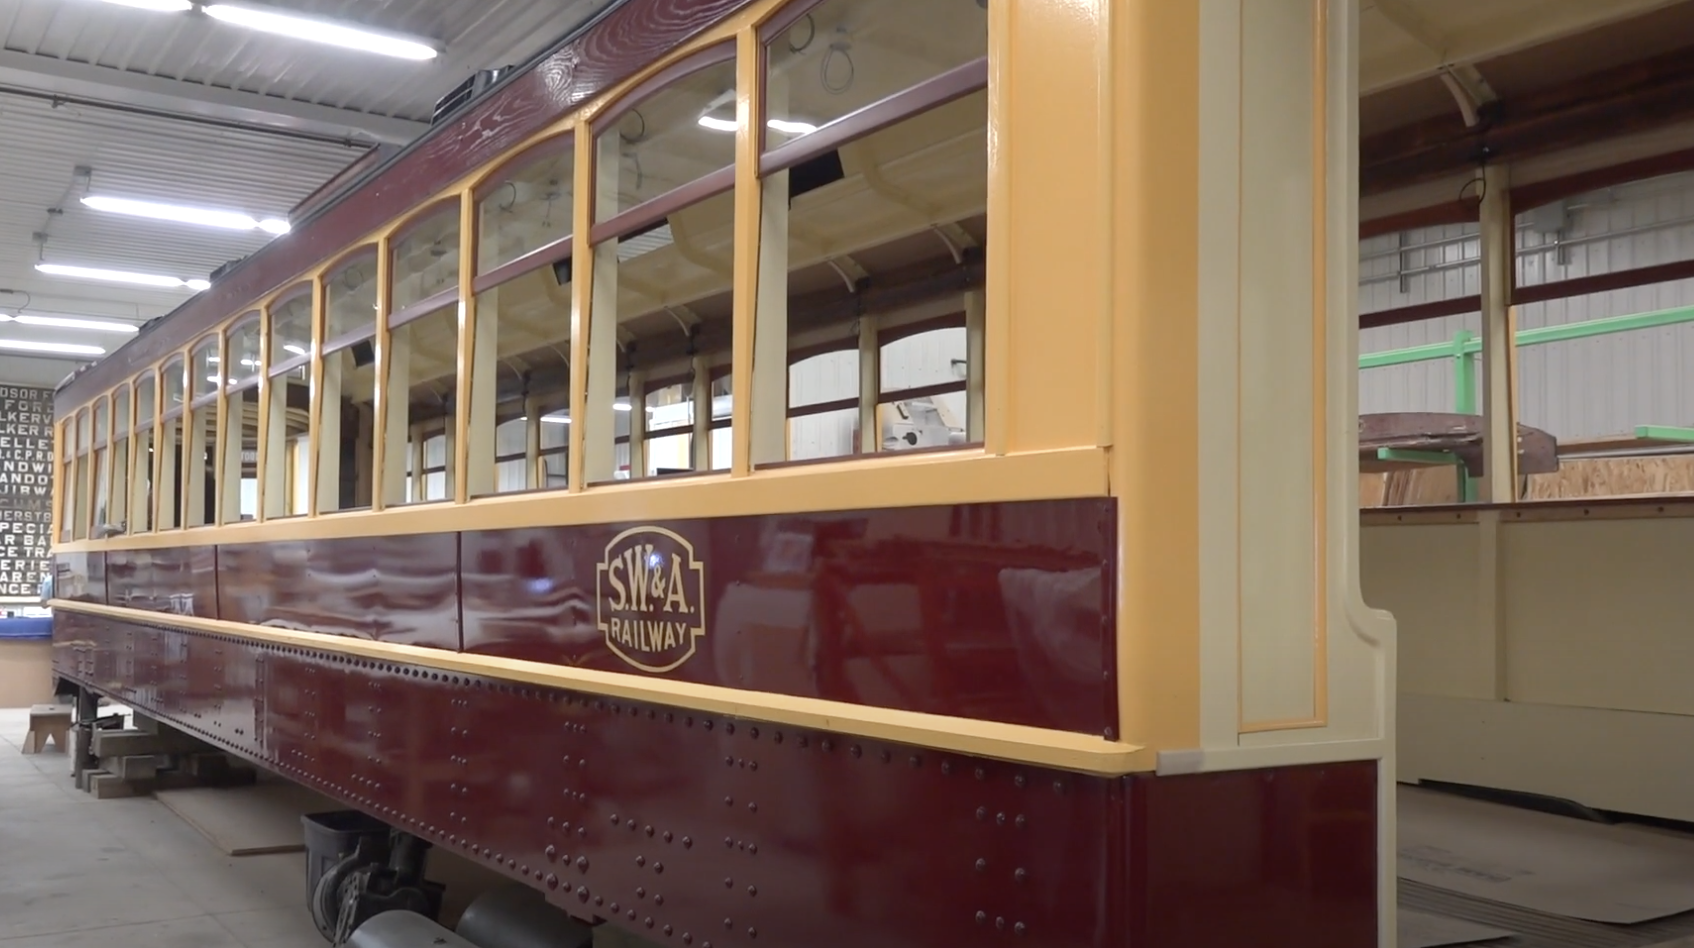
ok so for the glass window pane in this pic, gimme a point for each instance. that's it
(243, 351)
(241, 456)
(680, 133)
(206, 375)
(672, 281)
(199, 459)
(346, 425)
(834, 214)
(67, 498)
(173, 381)
(426, 258)
(84, 431)
(350, 298)
(102, 490)
(120, 412)
(291, 328)
(287, 489)
(145, 399)
(169, 485)
(846, 54)
(530, 320)
(529, 208)
(102, 418)
(423, 380)
(141, 484)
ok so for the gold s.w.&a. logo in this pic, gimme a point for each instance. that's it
(650, 598)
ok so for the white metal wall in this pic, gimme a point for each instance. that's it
(1581, 388)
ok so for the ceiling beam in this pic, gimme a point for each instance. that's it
(45, 75)
(1485, 36)
(1628, 99)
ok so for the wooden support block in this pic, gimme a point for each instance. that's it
(135, 767)
(131, 742)
(48, 722)
(106, 786)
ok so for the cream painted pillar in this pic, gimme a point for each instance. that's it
(598, 423)
(277, 458)
(770, 339)
(329, 436)
(870, 386)
(1500, 441)
(194, 510)
(975, 324)
(397, 408)
(485, 376)
(637, 423)
(700, 445)
(532, 443)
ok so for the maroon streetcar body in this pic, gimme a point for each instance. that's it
(739, 832)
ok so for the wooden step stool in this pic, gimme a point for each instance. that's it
(48, 721)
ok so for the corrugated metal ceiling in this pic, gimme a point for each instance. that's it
(186, 109)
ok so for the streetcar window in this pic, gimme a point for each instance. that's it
(173, 385)
(67, 478)
(423, 379)
(102, 463)
(844, 55)
(346, 425)
(350, 299)
(662, 141)
(823, 405)
(663, 267)
(526, 322)
(141, 500)
(287, 474)
(169, 488)
(426, 258)
(907, 212)
(199, 456)
(529, 207)
(243, 346)
(118, 506)
(240, 471)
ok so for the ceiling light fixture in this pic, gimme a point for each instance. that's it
(24, 345)
(784, 126)
(322, 31)
(122, 276)
(66, 322)
(204, 217)
(157, 6)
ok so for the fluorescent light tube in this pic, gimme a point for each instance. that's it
(297, 350)
(157, 6)
(321, 31)
(24, 345)
(792, 128)
(176, 213)
(67, 322)
(785, 126)
(121, 276)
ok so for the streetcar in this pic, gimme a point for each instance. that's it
(796, 473)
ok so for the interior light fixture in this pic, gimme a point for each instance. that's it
(204, 217)
(296, 350)
(556, 419)
(67, 348)
(157, 6)
(321, 31)
(621, 404)
(784, 126)
(122, 276)
(66, 322)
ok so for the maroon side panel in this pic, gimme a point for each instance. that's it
(629, 38)
(1277, 857)
(393, 589)
(181, 580)
(997, 611)
(715, 832)
(80, 576)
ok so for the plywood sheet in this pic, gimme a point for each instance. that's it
(1553, 864)
(251, 820)
(1422, 930)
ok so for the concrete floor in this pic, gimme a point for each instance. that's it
(76, 872)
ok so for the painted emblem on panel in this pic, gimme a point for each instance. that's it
(650, 598)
